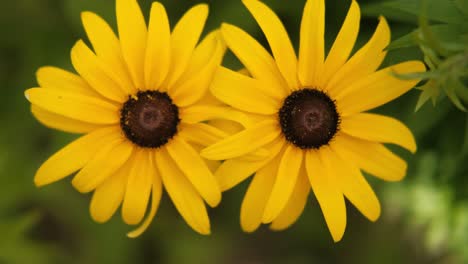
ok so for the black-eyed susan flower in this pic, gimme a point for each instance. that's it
(137, 99)
(310, 114)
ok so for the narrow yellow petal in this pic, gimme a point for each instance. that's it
(288, 173)
(184, 38)
(205, 135)
(343, 44)
(355, 187)
(372, 157)
(278, 38)
(184, 196)
(312, 44)
(94, 71)
(379, 128)
(109, 195)
(295, 205)
(55, 78)
(378, 88)
(197, 114)
(194, 168)
(201, 134)
(75, 155)
(324, 182)
(83, 108)
(211, 164)
(254, 57)
(107, 47)
(364, 62)
(62, 123)
(133, 38)
(244, 142)
(195, 82)
(232, 87)
(155, 200)
(158, 48)
(106, 162)
(139, 184)
(228, 126)
(257, 196)
(234, 171)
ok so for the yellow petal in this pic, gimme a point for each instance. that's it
(364, 62)
(106, 162)
(288, 173)
(201, 134)
(83, 108)
(378, 88)
(94, 71)
(133, 38)
(234, 171)
(107, 47)
(244, 142)
(55, 78)
(378, 128)
(343, 44)
(194, 84)
(194, 168)
(229, 127)
(205, 135)
(184, 196)
(158, 48)
(254, 57)
(211, 164)
(155, 200)
(278, 38)
(197, 114)
(62, 123)
(232, 87)
(372, 157)
(311, 48)
(257, 195)
(324, 182)
(355, 187)
(295, 205)
(139, 183)
(75, 155)
(184, 38)
(109, 195)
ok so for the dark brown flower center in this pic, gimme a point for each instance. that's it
(149, 119)
(309, 118)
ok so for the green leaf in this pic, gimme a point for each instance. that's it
(462, 6)
(438, 11)
(429, 91)
(418, 75)
(408, 40)
(451, 86)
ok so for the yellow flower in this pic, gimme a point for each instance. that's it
(137, 99)
(309, 114)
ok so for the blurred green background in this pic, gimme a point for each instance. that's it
(424, 220)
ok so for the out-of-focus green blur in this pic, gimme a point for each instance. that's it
(424, 219)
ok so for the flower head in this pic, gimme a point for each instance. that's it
(137, 99)
(310, 113)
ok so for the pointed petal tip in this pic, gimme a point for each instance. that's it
(249, 2)
(203, 8)
(86, 15)
(39, 182)
(204, 230)
(216, 200)
(26, 95)
(268, 216)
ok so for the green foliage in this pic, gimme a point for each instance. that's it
(444, 45)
